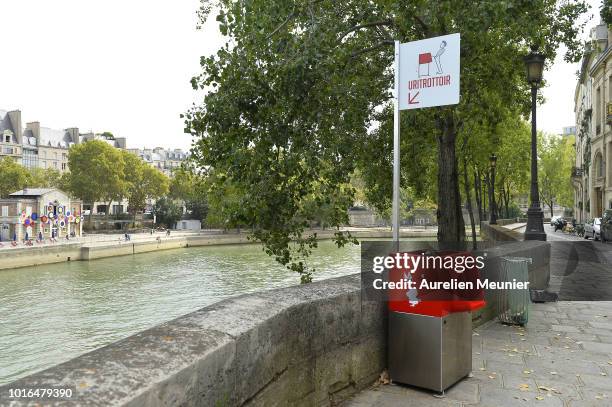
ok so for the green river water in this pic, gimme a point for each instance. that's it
(52, 313)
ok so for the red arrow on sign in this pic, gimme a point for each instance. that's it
(411, 100)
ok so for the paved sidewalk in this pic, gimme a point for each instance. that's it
(563, 357)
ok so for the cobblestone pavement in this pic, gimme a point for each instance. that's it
(563, 357)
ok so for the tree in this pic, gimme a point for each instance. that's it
(14, 177)
(606, 11)
(300, 85)
(555, 169)
(45, 178)
(142, 182)
(190, 187)
(167, 212)
(96, 172)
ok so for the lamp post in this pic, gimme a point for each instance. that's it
(534, 63)
(493, 218)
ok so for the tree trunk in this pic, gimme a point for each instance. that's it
(468, 200)
(486, 193)
(108, 208)
(451, 228)
(478, 193)
(552, 212)
(507, 200)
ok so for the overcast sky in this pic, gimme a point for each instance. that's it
(124, 66)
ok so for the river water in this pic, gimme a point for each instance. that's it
(52, 313)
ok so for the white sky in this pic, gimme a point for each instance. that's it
(125, 66)
(558, 108)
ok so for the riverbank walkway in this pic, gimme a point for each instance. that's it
(102, 239)
(562, 357)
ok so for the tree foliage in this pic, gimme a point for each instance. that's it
(300, 97)
(556, 158)
(142, 182)
(189, 186)
(167, 212)
(606, 11)
(96, 172)
(14, 177)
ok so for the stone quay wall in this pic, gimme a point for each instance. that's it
(39, 255)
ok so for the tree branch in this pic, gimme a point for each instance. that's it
(381, 44)
(424, 26)
(364, 25)
(284, 23)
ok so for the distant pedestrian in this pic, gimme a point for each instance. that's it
(167, 232)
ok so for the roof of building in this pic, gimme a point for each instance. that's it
(54, 138)
(5, 124)
(32, 192)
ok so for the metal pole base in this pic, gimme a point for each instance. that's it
(535, 224)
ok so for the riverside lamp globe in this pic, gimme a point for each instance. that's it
(493, 218)
(534, 63)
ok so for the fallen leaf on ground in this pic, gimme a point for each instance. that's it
(523, 386)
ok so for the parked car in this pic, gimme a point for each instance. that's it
(606, 226)
(592, 229)
(554, 219)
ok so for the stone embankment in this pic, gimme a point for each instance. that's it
(11, 257)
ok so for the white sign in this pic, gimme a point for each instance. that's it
(429, 72)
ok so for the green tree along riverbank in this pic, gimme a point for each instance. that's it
(299, 99)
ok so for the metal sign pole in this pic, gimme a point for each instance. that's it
(395, 217)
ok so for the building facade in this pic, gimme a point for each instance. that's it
(41, 147)
(48, 211)
(165, 160)
(592, 174)
(34, 146)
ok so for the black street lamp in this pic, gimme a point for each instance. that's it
(535, 217)
(493, 218)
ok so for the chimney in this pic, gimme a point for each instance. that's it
(599, 34)
(15, 118)
(120, 142)
(74, 134)
(34, 127)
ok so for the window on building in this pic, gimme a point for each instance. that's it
(55, 155)
(43, 154)
(598, 165)
(63, 156)
(5, 211)
(63, 166)
(54, 164)
(30, 158)
(7, 150)
(7, 138)
(598, 108)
